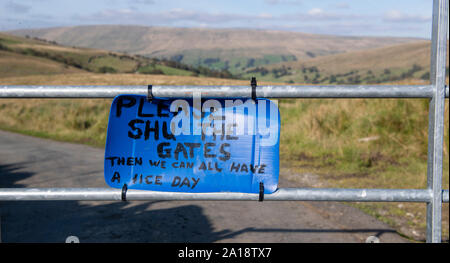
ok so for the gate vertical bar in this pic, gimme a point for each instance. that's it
(436, 119)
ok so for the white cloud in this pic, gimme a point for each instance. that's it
(180, 16)
(283, 2)
(400, 17)
(316, 20)
(265, 15)
(171, 17)
(315, 11)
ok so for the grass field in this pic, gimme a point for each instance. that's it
(351, 143)
(12, 64)
(364, 144)
(374, 66)
(370, 143)
(29, 56)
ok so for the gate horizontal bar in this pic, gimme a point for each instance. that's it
(282, 194)
(361, 91)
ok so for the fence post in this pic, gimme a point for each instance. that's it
(436, 119)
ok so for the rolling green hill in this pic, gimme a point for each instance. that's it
(235, 50)
(21, 56)
(379, 65)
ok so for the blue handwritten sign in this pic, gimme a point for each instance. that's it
(192, 145)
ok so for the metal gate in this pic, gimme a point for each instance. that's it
(433, 195)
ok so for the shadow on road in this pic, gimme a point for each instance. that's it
(10, 175)
(53, 221)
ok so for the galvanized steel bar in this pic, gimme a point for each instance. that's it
(436, 119)
(282, 194)
(361, 91)
(282, 91)
(69, 91)
(444, 196)
(434, 196)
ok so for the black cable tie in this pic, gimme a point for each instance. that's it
(261, 192)
(149, 93)
(253, 84)
(124, 192)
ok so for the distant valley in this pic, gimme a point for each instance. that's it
(235, 50)
(372, 66)
(273, 56)
(24, 56)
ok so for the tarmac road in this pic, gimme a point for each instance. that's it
(32, 162)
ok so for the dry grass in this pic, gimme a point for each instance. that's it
(118, 79)
(396, 56)
(365, 143)
(379, 65)
(81, 120)
(13, 65)
(54, 48)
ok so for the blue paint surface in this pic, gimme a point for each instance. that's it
(142, 152)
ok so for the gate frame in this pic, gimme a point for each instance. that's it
(433, 195)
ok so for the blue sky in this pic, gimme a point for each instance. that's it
(337, 17)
